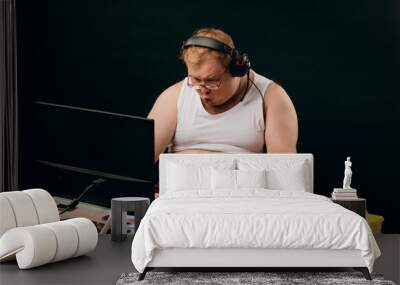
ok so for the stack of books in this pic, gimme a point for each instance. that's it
(344, 194)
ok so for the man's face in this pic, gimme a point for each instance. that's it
(212, 81)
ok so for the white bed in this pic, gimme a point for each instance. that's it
(247, 210)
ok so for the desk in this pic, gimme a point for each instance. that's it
(102, 266)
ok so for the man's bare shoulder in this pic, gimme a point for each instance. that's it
(171, 93)
(166, 101)
(275, 91)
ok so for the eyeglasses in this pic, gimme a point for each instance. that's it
(211, 85)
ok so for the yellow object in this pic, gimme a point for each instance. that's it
(374, 222)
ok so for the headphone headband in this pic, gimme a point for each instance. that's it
(240, 63)
(208, 43)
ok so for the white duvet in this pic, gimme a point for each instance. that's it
(252, 218)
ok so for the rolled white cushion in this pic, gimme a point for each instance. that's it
(23, 208)
(66, 238)
(41, 244)
(26, 208)
(33, 245)
(7, 218)
(45, 205)
(87, 235)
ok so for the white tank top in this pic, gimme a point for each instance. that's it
(240, 129)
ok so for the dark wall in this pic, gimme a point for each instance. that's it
(338, 60)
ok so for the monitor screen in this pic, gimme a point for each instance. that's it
(91, 143)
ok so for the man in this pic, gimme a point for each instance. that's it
(222, 105)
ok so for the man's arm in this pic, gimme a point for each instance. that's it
(281, 130)
(164, 114)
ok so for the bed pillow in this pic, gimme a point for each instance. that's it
(251, 178)
(236, 179)
(292, 179)
(184, 175)
(281, 175)
(223, 179)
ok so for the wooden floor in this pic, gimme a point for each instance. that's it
(110, 260)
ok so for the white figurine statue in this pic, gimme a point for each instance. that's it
(347, 174)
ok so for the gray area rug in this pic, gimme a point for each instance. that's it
(243, 278)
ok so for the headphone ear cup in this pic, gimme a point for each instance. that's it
(239, 65)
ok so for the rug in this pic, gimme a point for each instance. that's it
(244, 278)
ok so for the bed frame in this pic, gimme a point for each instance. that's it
(242, 259)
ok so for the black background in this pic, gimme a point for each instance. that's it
(338, 60)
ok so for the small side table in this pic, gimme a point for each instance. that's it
(357, 205)
(119, 209)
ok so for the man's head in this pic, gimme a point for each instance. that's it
(196, 56)
(209, 69)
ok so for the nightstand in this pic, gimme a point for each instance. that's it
(119, 208)
(357, 205)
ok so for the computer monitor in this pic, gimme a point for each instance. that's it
(76, 145)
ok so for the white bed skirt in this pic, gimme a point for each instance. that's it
(193, 257)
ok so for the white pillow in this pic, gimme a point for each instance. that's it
(184, 175)
(188, 178)
(292, 179)
(236, 179)
(281, 175)
(251, 178)
(223, 179)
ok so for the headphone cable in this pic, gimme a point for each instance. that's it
(258, 89)
(247, 87)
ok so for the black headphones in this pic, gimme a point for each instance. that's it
(240, 62)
